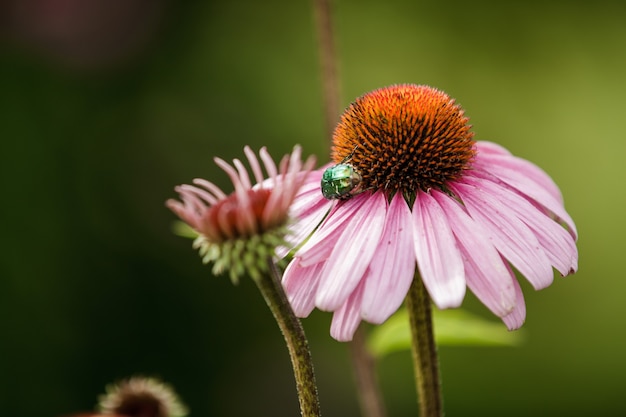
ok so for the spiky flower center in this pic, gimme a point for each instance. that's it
(404, 138)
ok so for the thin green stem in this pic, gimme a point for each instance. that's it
(328, 64)
(364, 364)
(425, 360)
(297, 344)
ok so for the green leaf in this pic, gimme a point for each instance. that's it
(453, 327)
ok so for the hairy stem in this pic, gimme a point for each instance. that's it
(297, 344)
(425, 360)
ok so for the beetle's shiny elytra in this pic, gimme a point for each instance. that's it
(341, 182)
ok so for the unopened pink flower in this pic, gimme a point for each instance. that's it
(422, 192)
(240, 231)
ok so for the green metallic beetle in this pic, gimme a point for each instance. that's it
(340, 182)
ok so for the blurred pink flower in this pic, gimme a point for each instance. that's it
(463, 211)
(240, 231)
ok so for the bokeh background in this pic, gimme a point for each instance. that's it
(105, 106)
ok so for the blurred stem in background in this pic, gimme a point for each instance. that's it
(328, 64)
(370, 398)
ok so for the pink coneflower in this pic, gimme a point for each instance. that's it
(411, 187)
(240, 231)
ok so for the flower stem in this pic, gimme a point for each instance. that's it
(425, 361)
(364, 364)
(328, 64)
(297, 344)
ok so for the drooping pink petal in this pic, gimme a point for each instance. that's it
(438, 257)
(307, 210)
(322, 243)
(309, 197)
(530, 180)
(507, 162)
(301, 229)
(316, 209)
(309, 203)
(347, 317)
(320, 252)
(554, 239)
(392, 269)
(509, 234)
(300, 285)
(486, 273)
(304, 226)
(516, 318)
(353, 251)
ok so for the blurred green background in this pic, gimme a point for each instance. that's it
(105, 106)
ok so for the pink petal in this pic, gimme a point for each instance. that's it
(516, 318)
(309, 202)
(486, 147)
(347, 318)
(300, 284)
(309, 194)
(243, 173)
(308, 210)
(319, 247)
(353, 251)
(438, 257)
(211, 195)
(510, 235)
(530, 180)
(486, 273)
(301, 229)
(268, 162)
(516, 165)
(254, 164)
(392, 269)
(554, 239)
